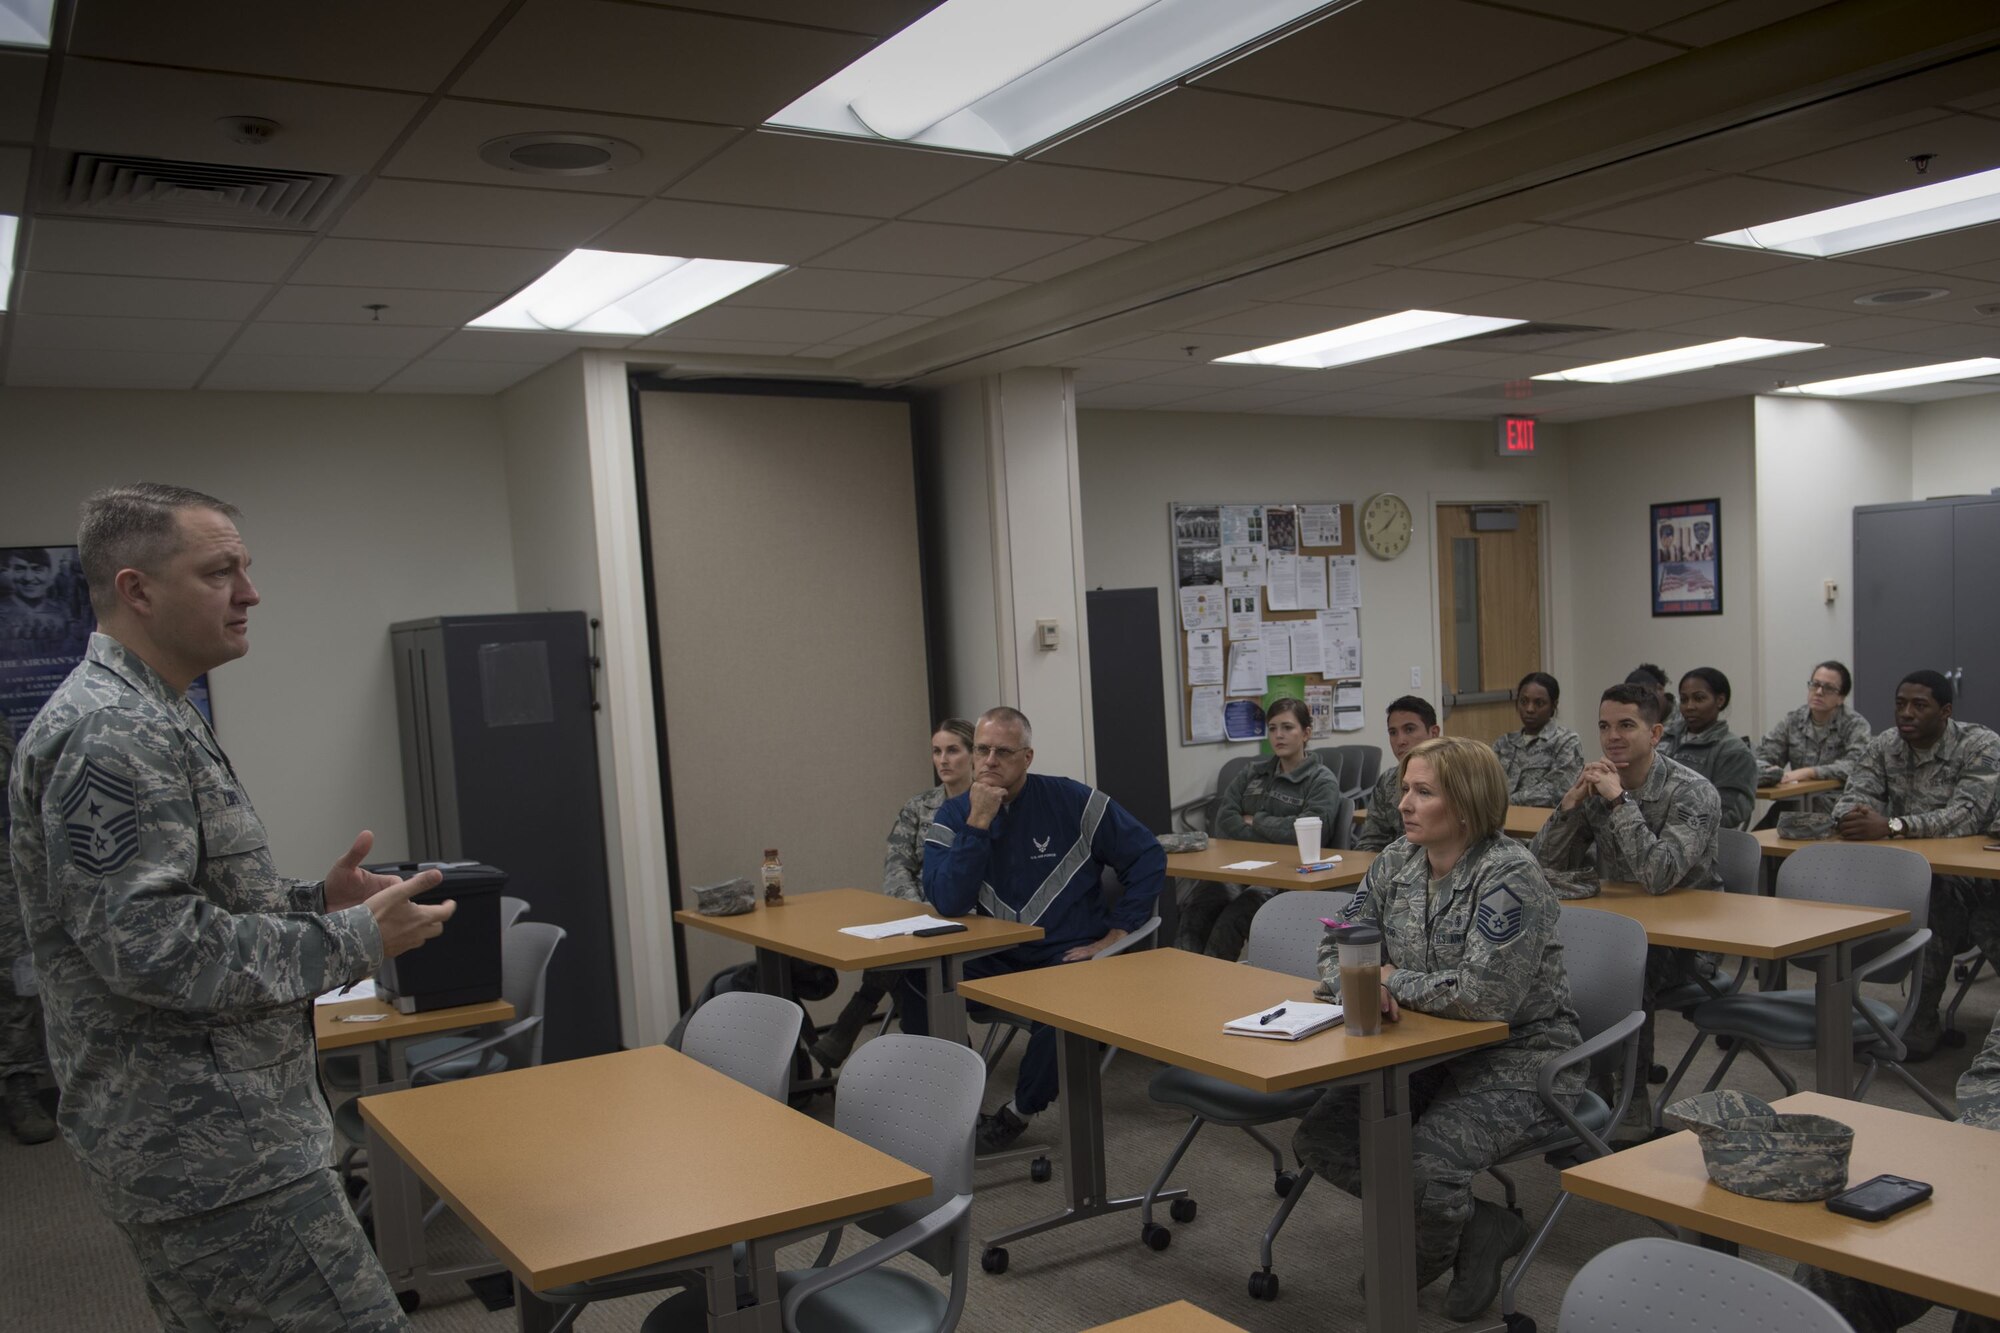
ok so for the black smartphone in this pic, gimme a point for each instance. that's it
(952, 929)
(1884, 1196)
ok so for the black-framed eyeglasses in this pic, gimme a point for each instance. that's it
(999, 752)
(1821, 687)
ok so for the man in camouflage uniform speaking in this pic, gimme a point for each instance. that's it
(177, 968)
(1929, 777)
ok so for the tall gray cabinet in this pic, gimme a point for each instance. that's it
(1925, 576)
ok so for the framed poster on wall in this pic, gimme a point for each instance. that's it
(1686, 540)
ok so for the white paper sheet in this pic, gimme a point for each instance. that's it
(1242, 525)
(1343, 580)
(1347, 711)
(1205, 713)
(1340, 641)
(1248, 865)
(1319, 525)
(1246, 616)
(1201, 606)
(360, 990)
(1204, 659)
(1281, 581)
(882, 930)
(1246, 668)
(1243, 565)
(1277, 640)
(1308, 654)
(1312, 583)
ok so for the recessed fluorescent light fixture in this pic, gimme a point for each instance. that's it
(1369, 339)
(26, 22)
(1925, 211)
(610, 291)
(9, 228)
(1002, 76)
(1680, 360)
(1901, 379)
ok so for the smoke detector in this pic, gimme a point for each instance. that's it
(249, 131)
(558, 154)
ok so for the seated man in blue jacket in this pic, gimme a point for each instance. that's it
(1031, 849)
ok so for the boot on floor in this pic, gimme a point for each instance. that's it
(25, 1116)
(833, 1045)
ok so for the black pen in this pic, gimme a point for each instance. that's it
(1279, 1012)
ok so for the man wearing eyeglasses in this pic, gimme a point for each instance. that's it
(1029, 848)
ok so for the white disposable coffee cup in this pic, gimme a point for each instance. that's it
(1307, 830)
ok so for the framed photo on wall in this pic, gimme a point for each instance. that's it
(1686, 540)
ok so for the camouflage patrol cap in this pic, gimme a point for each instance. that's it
(1805, 826)
(732, 897)
(1184, 842)
(1751, 1148)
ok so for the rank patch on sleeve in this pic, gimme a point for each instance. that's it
(101, 815)
(1500, 915)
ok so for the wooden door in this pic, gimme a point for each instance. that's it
(1489, 613)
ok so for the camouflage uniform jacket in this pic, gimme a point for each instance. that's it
(1724, 758)
(1797, 742)
(1483, 948)
(1263, 803)
(12, 943)
(1664, 837)
(1541, 767)
(1946, 791)
(903, 865)
(1385, 822)
(177, 966)
(1979, 1086)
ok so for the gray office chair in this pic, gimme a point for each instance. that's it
(1859, 874)
(525, 950)
(1371, 766)
(1284, 937)
(1740, 860)
(512, 909)
(748, 1036)
(1651, 1285)
(1198, 815)
(917, 1099)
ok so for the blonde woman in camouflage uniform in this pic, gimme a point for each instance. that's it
(1468, 932)
(1707, 745)
(1542, 759)
(1817, 741)
(902, 877)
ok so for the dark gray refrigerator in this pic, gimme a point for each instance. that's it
(500, 765)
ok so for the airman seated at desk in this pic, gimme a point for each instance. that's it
(1707, 745)
(1542, 759)
(1638, 816)
(1028, 848)
(1468, 932)
(1930, 777)
(1873, 1309)
(1412, 721)
(1817, 741)
(1263, 802)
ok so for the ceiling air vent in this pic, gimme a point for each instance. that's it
(104, 185)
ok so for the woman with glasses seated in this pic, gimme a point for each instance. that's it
(1542, 759)
(903, 877)
(1817, 741)
(1710, 748)
(1262, 804)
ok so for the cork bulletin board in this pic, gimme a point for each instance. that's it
(1243, 572)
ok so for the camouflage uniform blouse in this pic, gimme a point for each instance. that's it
(1485, 948)
(1385, 822)
(1798, 742)
(1665, 837)
(1724, 758)
(177, 966)
(1541, 767)
(903, 866)
(1946, 791)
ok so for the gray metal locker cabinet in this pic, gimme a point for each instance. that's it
(500, 765)
(1924, 582)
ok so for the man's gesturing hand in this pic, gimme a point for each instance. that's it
(404, 924)
(347, 884)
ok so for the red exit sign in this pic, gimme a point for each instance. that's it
(1516, 437)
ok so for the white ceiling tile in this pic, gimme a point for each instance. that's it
(301, 374)
(1950, 341)
(1183, 349)
(423, 265)
(725, 231)
(1545, 252)
(1571, 76)
(696, 347)
(648, 61)
(1277, 322)
(1394, 289)
(1037, 196)
(147, 111)
(841, 289)
(1802, 277)
(1682, 267)
(1208, 208)
(1067, 261)
(1214, 136)
(460, 377)
(1111, 370)
(13, 180)
(889, 327)
(445, 147)
(335, 340)
(374, 43)
(398, 210)
(152, 250)
(1394, 141)
(876, 18)
(516, 345)
(929, 247)
(978, 293)
(1732, 19)
(1723, 203)
(20, 94)
(1952, 250)
(152, 298)
(749, 324)
(1880, 165)
(1445, 360)
(1130, 395)
(1208, 375)
(98, 333)
(77, 368)
(1650, 312)
(1244, 399)
(1629, 15)
(296, 304)
(1758, 321)
(1542, 300)
(774, 170)
(1406, 58)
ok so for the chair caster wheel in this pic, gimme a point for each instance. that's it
(410, 1300)
(1656, 1074)
(1182, 1210)
(1264, 1286)
(1156, 1236)
(1519, 1323)
(1953, 1038)
(1283, 1182)
(1040, 1170)
(994, 1260)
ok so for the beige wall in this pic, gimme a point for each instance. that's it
(359, 511)
(1955, 447)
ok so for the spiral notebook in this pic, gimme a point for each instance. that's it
(1285, 1022)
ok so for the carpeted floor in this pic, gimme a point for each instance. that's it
(62, 1267)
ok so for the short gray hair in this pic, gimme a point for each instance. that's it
(1011, 717)
(133, 527)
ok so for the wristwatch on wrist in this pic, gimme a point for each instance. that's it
(1895, 826)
